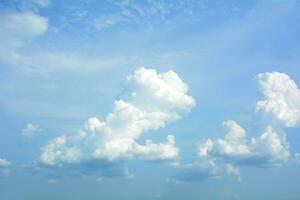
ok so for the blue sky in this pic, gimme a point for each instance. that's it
(149, 100)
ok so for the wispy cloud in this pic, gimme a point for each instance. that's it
(20, 28)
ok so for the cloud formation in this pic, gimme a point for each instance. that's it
(282, 98)
(232, 171)
(18, 28)
(196, 171)
(4, 163)
(155, 99)
(218, 157)
(268, 150)
(30, 130)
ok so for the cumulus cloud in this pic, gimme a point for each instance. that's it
(155, 99)
(225, 155)
(30, 129)
(270, 149)
(282, 98)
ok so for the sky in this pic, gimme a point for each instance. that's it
(149, 100)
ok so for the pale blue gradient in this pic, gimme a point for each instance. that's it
(216, 47)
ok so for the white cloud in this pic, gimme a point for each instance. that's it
(161, 151)
(165, 91)
(202, 169)
(268, 150)
(282, 98)
(30, 129)
(4, 163)
(155, 99)
(232, 171)
(4, 171)
(56, 150)
(17, 28)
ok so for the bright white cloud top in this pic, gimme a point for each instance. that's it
(155, 99)
(282, 98)
(270, 149)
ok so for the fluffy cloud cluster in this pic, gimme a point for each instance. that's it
(282, 98)
(4, 171)
(155, 99)
(30, 129)
(268, 150)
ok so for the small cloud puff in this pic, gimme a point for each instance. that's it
(4, 163)
(52, 181)
(4, 171)
(30, 130)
